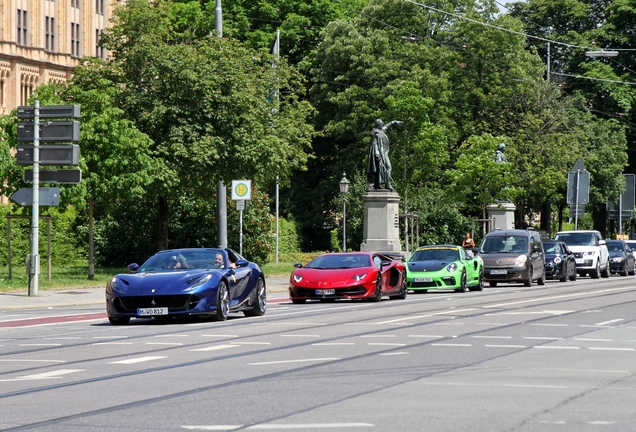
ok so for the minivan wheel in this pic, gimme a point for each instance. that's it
(528, 282)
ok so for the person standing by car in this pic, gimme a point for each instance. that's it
(468, 244)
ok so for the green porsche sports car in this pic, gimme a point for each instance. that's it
(444, 267)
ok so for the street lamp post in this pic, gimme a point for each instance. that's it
(344, 188)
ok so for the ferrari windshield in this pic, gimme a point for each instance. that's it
(577, 239)
(504, 244)
(184, 259)
(339, 261)
(436, 254)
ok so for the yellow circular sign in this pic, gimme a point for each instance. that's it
(241, 189)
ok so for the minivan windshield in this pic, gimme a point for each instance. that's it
(577, 239)
(504, 244)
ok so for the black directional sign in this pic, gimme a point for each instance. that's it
(50, 111)
(59, 131)
(47, 196)
(55, 176)
(50, 154)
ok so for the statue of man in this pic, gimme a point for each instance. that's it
(379, 165)
(500, 156)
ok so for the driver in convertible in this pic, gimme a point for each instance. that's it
(177, 262)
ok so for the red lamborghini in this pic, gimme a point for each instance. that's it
(348, 275)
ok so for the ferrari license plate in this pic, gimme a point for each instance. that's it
(422, 279)
(498, 271)
(325, 292)
(152, 311)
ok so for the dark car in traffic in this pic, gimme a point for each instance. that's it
(560, 263)
(621, 258)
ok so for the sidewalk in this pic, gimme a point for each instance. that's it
(90, 296)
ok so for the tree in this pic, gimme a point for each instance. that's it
(204, 104)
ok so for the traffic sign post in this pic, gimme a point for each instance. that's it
(578, 189)
(241, 193)
(56, 155)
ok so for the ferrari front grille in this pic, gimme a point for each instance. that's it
(180, 302)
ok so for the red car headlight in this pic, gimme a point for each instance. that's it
(359, 277)
(297, 278)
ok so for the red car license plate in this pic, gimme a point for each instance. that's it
(325, 292)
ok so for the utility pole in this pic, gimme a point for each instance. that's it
(34, 258)
(221, 191)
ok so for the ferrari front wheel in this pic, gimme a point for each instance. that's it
(222, 303)
(261, 300)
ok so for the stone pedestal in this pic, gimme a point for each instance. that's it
(503, 214)
(381, 221)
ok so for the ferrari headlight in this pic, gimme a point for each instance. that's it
(297, 278)
(359, 277)
(521, 261)
(115, 285)
(200, 282)
(451, 267)
(557, 260)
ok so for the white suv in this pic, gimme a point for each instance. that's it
(589, 250)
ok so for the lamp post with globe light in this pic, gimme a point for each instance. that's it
(344, 188)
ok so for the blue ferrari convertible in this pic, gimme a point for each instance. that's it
(187, 282)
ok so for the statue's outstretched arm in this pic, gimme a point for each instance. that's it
(391, 124)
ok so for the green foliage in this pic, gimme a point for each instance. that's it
(288, 241)
(258, 238)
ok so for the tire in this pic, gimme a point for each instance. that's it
(480, 285)
(119, 320)
(595, 274)
(492, 284)
(574, 275)
(462, 284)
(260, 305)
(624, 271)
(403, 290)
(222, 303)
(299, 301)
(565, 274)
(606, 273)
(528, 282)
(378, 290)
(541, 280)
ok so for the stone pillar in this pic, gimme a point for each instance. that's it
(381, 221)
(503, 214)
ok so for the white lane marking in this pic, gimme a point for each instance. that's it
(424, 316)
(393, 353)
(492, 337)
(250, 343)
(295, 361)
(279, 426)
(138, 360)
(112, 343)
(333, 343)
(448, 323)
(214, 348)
(110, 337)
(601, 422)
(379, 336)
(550, 325)
(220, 335)
(543, 312)
(300, 335)
(557, 347)
(404, 319)
(33, 361)
(426, 336)
(610, 349)
(493, 324)
(542, 338)
(592, 371)
(385, 344)
(534, 386)
(170, 335)
(609, 322)
(505, 346)
(165, 343)
(62, 338)
(297, 323)
(592, 340)
(52, 374)
(451, 345)
(541, 299)
(26, 345)
(558, 422)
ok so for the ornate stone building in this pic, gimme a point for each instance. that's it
(41, 41)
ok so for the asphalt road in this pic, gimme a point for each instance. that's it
(555, 358)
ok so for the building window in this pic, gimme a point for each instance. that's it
(75, 40)
(99, 7)
(75, 4)
(99, 50)
(50, 34)
(22, 27)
